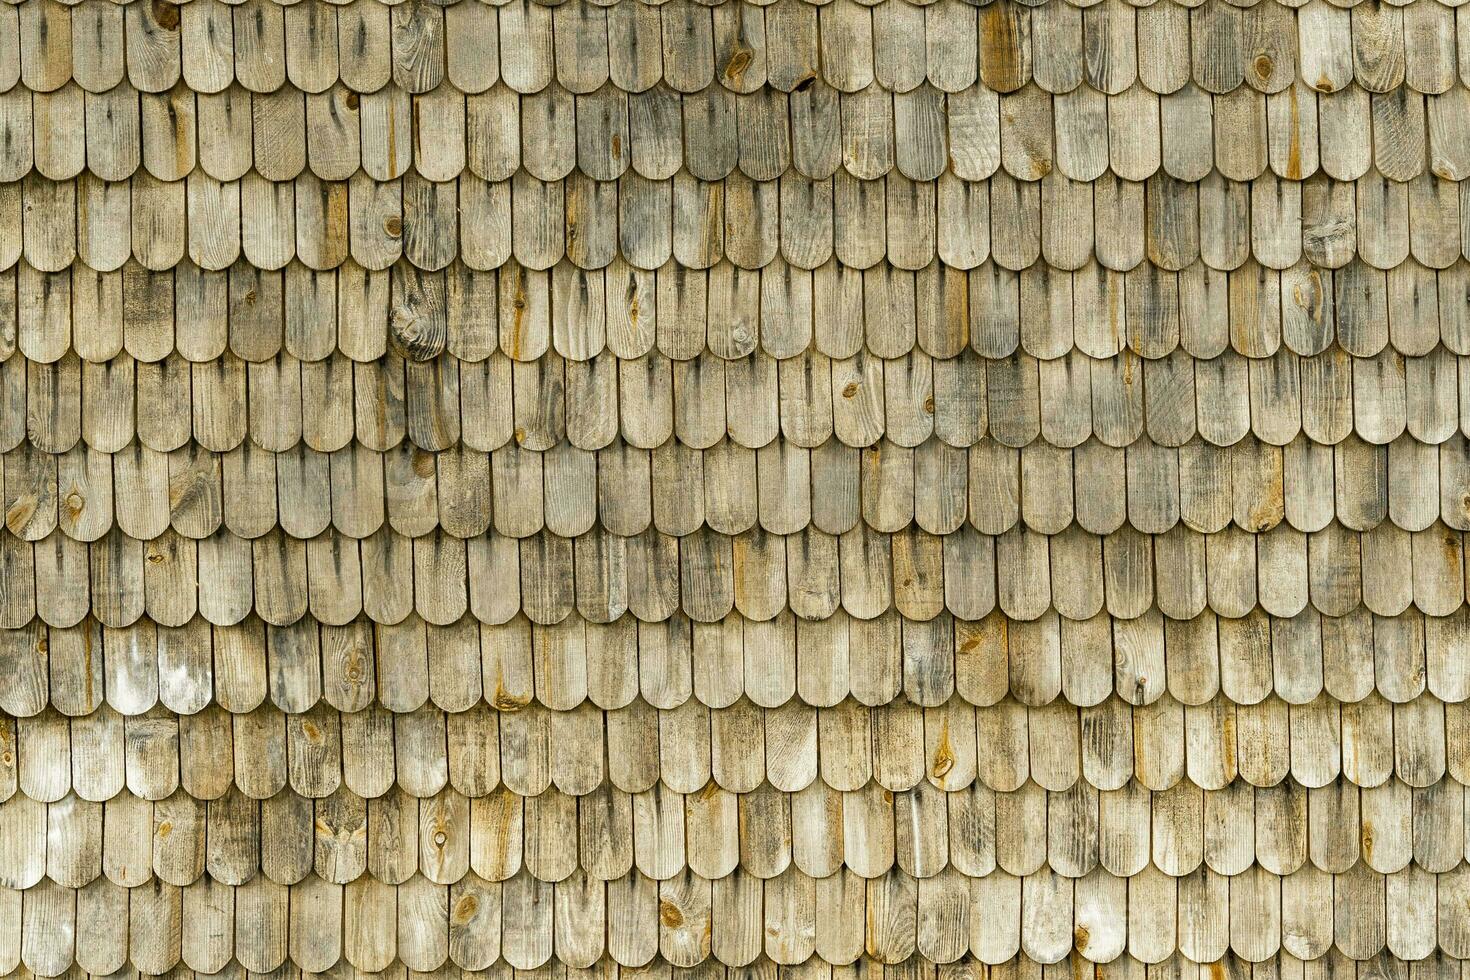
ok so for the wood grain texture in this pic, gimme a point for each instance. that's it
(734, 489)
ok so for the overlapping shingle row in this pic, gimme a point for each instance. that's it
(784, 46)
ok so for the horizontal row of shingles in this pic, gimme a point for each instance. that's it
(740, 920)
(732, 490)
(691, 46)
(1079, 495)
(407, 665)
(1118, 224)
(1438, 966)
(971, 134)
(623, 314)
(545, 233)
(783, 486)
(706, 575)
(1164, 747)
(714, 832)
(679, 409)
(766, 834)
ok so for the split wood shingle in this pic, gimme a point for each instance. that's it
(735, 491)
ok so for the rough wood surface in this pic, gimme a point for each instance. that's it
(969, 490)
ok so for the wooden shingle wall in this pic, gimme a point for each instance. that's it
(735, 491)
